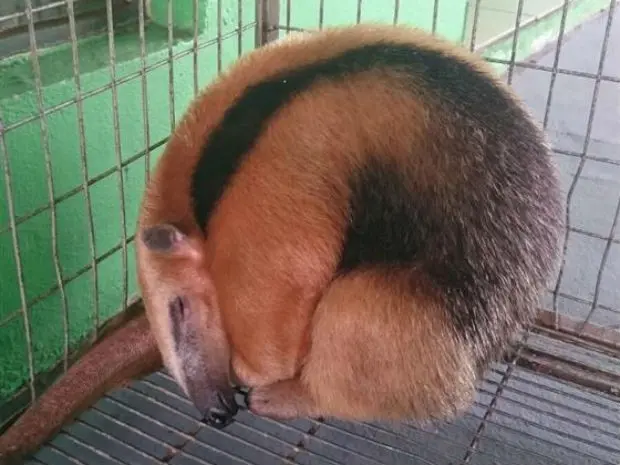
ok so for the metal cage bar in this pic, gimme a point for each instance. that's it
(143, 86)
(118, 152)
(83, 158)
(171, 99)
(34, 57)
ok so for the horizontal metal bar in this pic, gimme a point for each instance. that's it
(556, 405)
(200, 425)
(64, 455)
(186, 401)
(78, 5)
(91, 448)
(565, 71)
(525, 434)
(446, 438)
(92, 181)
(581, 300)
(569, 370)
(111, 438)
(585, 156)
(65, 281)
(518, 377)
(34, 9)
(528, 22)
(588, 335)
(481, 405)
(554, 415)
(593, 235)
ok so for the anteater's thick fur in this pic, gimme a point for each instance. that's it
(358, 221)
(352, 223)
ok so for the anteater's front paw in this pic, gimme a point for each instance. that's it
(284, 400)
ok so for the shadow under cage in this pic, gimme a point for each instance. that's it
(90, 91)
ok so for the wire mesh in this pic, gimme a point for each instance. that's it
(153, 52)
(553, 400)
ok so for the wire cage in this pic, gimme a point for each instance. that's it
(89, 93)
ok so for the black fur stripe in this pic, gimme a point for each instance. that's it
(445, 77)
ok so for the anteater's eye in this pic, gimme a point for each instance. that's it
(177, 312)
(178, 308)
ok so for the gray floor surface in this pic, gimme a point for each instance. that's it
(535, 420)
(594, 240)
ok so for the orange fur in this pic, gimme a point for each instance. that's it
(413, 366)
(267, 264)
(270, 264)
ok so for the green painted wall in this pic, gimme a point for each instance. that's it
(25, 153)
(450, 23)
(19, 116)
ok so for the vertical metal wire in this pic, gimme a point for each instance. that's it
(195, 46)
(358, 17)
(396, 11)
(556, 63)
(582, 158)
(268, 21)
(322, 13)
(259, 31)
(145, 101)
(601, 270)
(219, 36)
(474, 27)
(288, 16)
(612, 232)
(239, 28)
(34, 59)
(510, 368)
(435, 16)
(83, 157)
(8, 187)
(515, 41)
(493, 404)
(554, 74)
(117, 147)
(171, 67)
(614, 226)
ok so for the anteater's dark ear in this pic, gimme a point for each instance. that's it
(164, 238)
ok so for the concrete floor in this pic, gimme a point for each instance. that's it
(536, 421)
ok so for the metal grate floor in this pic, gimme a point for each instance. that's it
(535, 420)
(520, 417)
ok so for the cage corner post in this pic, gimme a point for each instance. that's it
(267, 20)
